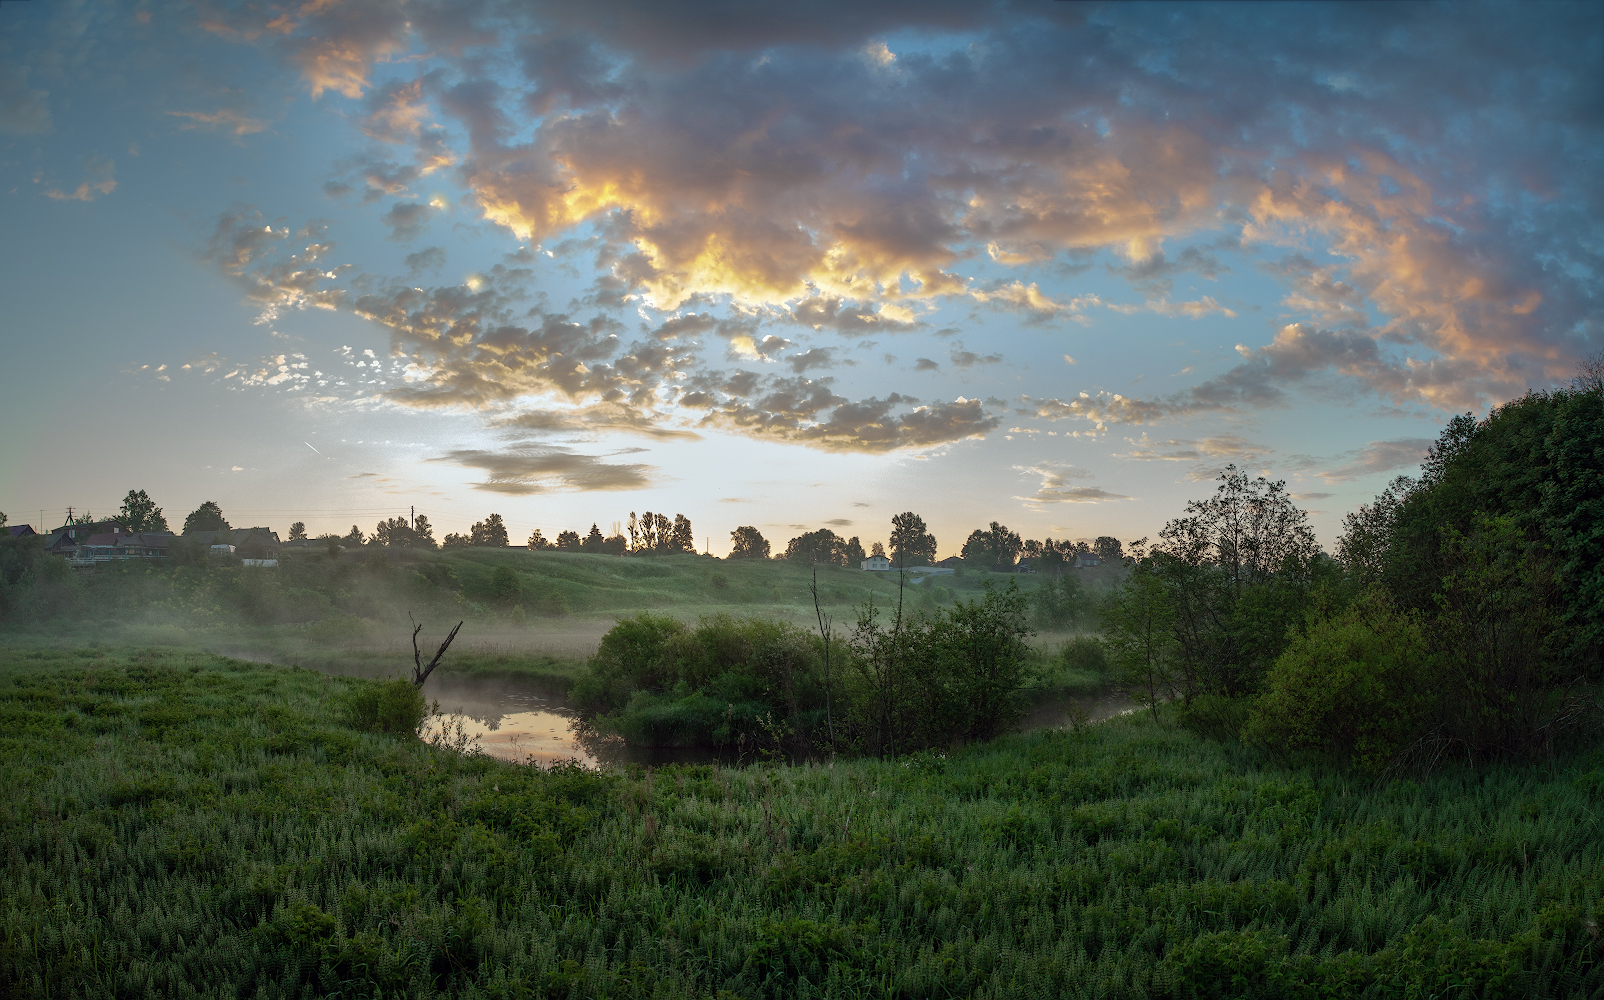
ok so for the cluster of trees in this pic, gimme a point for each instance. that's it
(893, 684)
(1000, 549)
(1463, 614)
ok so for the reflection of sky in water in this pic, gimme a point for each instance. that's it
(512, 725)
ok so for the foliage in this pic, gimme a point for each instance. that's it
(180, 825)
(1238, 567)
(140, 513)
(911, 542)
(297, 531)
(568, 540)
(655, 534)
(1356, 688)
(1063, 602)
(748, 543)
(489, 533)
(1537, 460)
(207, 517)
(393, 706)
(397, 532)
(995, 548)
(818, 547)
(1139, 632)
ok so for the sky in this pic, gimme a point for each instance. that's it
(791, 266)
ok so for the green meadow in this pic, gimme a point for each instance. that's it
(182, 824)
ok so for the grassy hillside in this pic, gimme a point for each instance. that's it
(183, 824)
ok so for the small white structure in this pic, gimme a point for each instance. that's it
(260, 563)
(875, 564)
(222, 550)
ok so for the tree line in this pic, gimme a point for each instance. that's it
(1462, 615)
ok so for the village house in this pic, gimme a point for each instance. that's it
(876, 564)
(116, 547)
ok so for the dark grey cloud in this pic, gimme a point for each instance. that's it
(406, 220)
(547, 470)
(427, 259)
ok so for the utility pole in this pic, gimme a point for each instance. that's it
(413, 522)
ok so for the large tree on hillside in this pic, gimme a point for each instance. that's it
(140, 513)
(822, 546)
(748, 543)
(491, 532)
(207, 517)
(912, 544)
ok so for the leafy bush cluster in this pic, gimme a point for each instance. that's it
(1464, 617)
(896, 683)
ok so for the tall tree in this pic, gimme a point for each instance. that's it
(877, 551)
(207, 517)
(393, 533)
(140, 513)
(490, 532)
(912, 544)
(354, 538)
(594, 540)
(568, 540)
(822, 546)
(852, 552)
(1108, 549)
(298, 531)
(682, 538)
(748, 543)
(537, 541)
(422, 533)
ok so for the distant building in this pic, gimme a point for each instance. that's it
(21, 530)
(1087, 559)
(114, 547)
(261, 543)
(951, 562)
(876, 564)
(1025, 566)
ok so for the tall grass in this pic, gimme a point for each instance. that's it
(187, 825)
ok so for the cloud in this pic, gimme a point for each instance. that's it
(541, 470)
(23, 111)
(98, 180)
(839, 522)
(926, 365)
(406, 220)
(1155, 276)
(1055, 488)
(1374, 458)
(1227, 447)
(231, 121)
(1296, 356)
(597, 418)
(427, 259)
(969, 359)
(807, 412)
(817, 357)
(830, 312)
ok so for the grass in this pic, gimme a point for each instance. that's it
(180, 824)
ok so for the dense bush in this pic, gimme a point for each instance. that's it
(901, 681)
(394, 706)
(1356, 687)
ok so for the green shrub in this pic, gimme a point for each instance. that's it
(1084, 654)
(1356, 688)
(394, 706)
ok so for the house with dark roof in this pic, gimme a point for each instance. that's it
(20, 530)
(115, 547)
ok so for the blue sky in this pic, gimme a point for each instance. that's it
(1049, 264)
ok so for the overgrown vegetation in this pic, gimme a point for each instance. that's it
(903, 681)
(1465, 617)
(187, 825)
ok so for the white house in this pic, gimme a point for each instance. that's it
(876, 563)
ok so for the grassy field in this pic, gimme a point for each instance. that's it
(180, 824)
